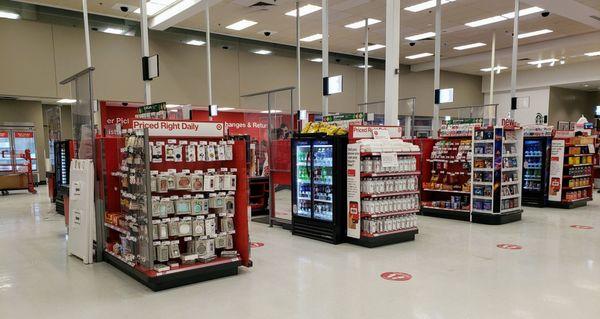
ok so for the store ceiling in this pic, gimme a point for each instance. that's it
(343, 40)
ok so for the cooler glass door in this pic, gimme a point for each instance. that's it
(303, 185)
(24, 140)
(533, 165)
(322, 158)
(6, 164)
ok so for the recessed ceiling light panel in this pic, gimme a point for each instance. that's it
(419, 56)
(66, 101)
(534, 33)
(316, 60)
(9, 15)
(304, 10)
(469, 46)
(195, 42)
(361, 23)
(478, 23)
(597, 53)
(312, 38)
(241, 25)
(497, 68)
(371, 47)
(421, 36)
(425, 5)
(262, 52)
(524, 12)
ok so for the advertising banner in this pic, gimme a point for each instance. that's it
(557, 159)
(353, 191)
(180, 128)
(361, 131)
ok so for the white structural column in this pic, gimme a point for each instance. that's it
(392, 60)
(437, 61)
(366, 64)
(208, 61)
(325, 49)
(491, 109)
(86, 28)
(145, 48)
(515, 53)
(298, 61)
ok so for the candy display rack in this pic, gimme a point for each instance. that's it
(571, 183)
(383, 187)
(496, 173)
(176, 201)
(446, 176)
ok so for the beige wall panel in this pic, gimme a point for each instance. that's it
(26, 59)
(569, 105)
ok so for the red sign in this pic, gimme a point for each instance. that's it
(509, 246)
(23, 134)
(256, 244)
(3, 134)
(396, 276)
(581, 227)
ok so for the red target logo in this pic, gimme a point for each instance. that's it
(219, 126)
(509, 246)
(581, 227)
(396, 276)
(256, 244)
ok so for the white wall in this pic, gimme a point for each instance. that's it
(539, 101)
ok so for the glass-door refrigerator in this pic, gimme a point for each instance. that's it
(318, 193)
(536, 162)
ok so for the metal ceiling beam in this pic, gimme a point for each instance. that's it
(179, 12)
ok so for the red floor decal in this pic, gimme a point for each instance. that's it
(396, 276)
(509, 246)
(581, 227)
(256, 244)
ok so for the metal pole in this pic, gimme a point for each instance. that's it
(298, 90)
(437, 62)
(86, 28)
(145, 49)
(208, 62)
(325, 49)
(366, 64)
(392, 61)
(270, 159)
(515, 52)
(492, 76)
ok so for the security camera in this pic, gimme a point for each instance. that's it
(225, 47)
(412, 44)
(338, 60)
(545, 14)
(124, 103)
(124, 8)
(267, 33)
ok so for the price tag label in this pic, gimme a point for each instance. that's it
(389, 160)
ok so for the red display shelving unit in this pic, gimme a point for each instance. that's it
(134, 219)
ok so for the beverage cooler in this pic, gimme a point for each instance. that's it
(318, 187)
(536, 162)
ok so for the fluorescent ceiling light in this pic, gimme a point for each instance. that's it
(361, 23)
(371, 47)
(312, 38)
(362, 66)
(113, 30)
(272, 111)
(241, 25)
(195, 42)
(485, 21)
(262, 52)
(316, 60)
(66, 101)
(225, 108)
(170, 106)
(425, 5)
(470, 46)
(155, 6)
(9, 15)
(542, 61)
(534, 33)
(524, 12)
(497, 68)
(421, 36)
(418, 56)
(304, 10)
(597, 53)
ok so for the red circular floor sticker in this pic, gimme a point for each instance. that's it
(396, 276)
(509, 246)
(581, 227)
(256, 244)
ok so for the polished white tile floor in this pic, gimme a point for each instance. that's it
(458, 272)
